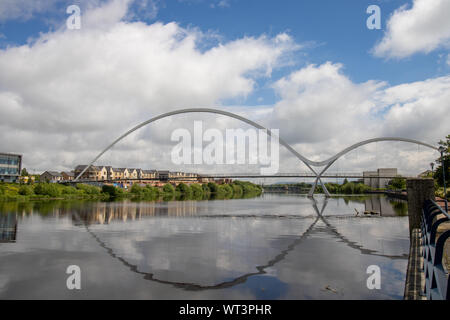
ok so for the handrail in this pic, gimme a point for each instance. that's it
(440, 209)
(437, 280)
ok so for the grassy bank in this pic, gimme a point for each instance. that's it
(49, 191)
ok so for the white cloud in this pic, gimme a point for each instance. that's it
(448, 59)
(76, 89)
(422, 28)
(68, 94)
(322, 112)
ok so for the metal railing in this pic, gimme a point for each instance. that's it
(437, 280)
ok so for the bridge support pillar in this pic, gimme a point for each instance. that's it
(313, 188)
(418, 191)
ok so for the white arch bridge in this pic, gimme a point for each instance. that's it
(309, 163)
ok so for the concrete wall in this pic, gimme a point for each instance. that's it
(371, 178)
(383, 182)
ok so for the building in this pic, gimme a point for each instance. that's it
(128, 176)
(51, 176)
(68, 175)
(371, 178)
(374, 179)
(89, 174)
(164, 175)
(10, 167)
(386, 172)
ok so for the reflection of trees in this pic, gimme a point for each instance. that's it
(386, 206)
(400, 208)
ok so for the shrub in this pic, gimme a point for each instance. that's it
(197, 189)
(69, 190)
(110, 190)
(183, 188)
(205, 188)
(237, 190)
(153, 190)
(213, 187)
(26, 190)
(225, 189)
(168, 188)
(47, 189)
(136, 189)
(88, 189)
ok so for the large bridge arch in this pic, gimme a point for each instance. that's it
(306, 161)
(309, 163)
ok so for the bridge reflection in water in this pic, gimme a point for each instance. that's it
(274, 243)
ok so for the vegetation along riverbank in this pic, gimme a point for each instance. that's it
(211, 190)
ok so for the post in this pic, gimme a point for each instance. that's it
(418, 191)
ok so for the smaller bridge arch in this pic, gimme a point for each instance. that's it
(329, 162)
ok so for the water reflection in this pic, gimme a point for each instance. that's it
(260, 247)
(386, 207)
(8, 227)
(138, 262)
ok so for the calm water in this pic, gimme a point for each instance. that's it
(272, 247)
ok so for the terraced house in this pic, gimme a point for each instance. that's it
(128, 176)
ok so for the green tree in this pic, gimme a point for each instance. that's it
(183, 188)
(438, 174)
(136, 189)
(197, 189)
(24, 172)
(213, 187)
(110, 190)
(398, 183)
(168, 188)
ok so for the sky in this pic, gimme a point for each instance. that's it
(312, 69)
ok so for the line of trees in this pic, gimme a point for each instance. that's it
(236, 189)
(438, 173)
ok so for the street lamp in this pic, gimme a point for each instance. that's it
(441, 150)
(432, 166)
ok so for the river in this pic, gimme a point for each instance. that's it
(277, 246)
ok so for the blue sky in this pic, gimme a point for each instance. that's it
(330, 31)
(309, 68)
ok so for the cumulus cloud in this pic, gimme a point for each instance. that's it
(69, 93)
(422, 28)
(72, 90)
(321, 111)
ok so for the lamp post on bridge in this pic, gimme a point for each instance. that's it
(442, 149)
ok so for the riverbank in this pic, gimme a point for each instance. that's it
(52, 191)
